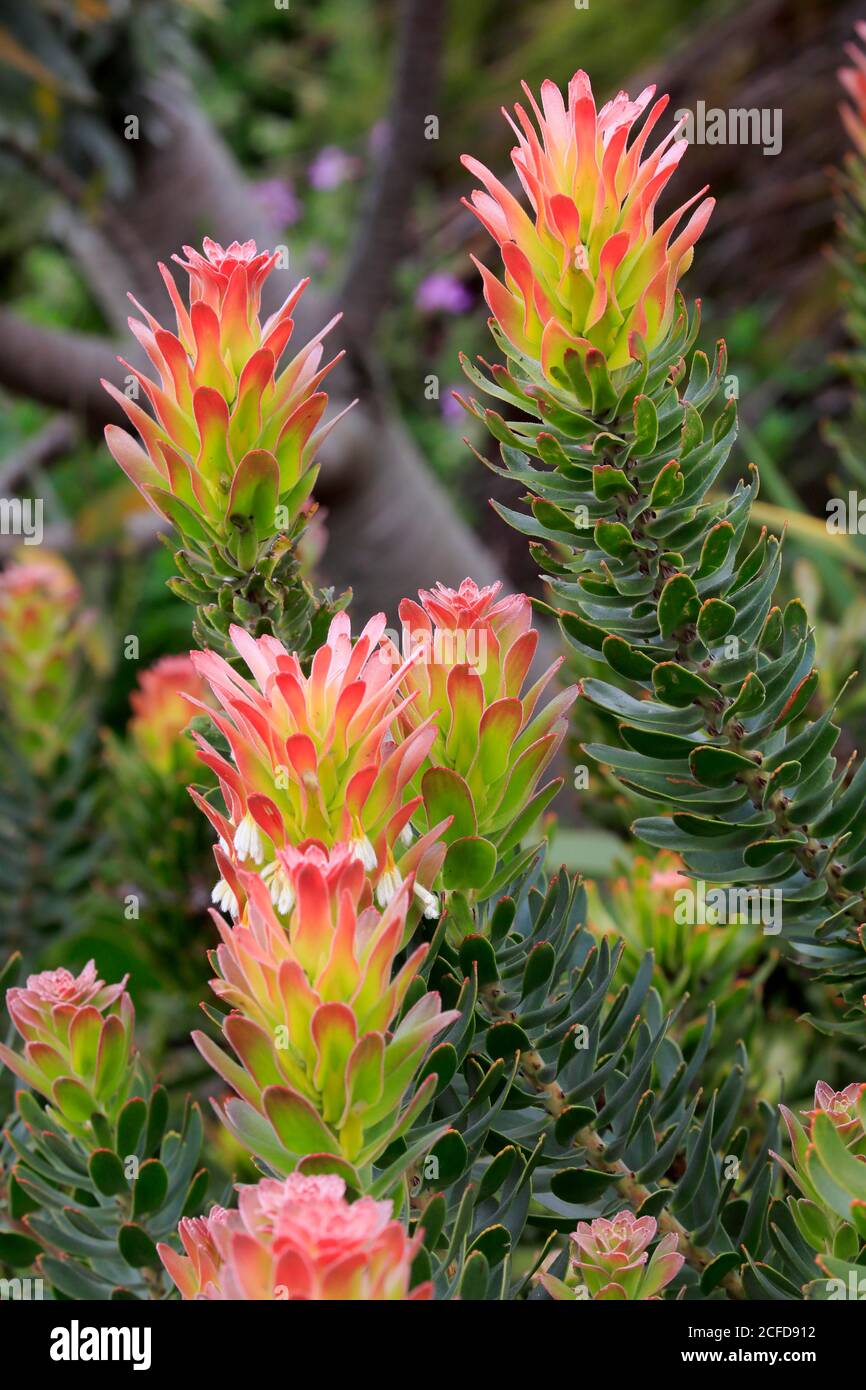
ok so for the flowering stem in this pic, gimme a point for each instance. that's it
(627, 1185)
(634, 1193)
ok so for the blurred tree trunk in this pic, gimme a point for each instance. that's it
(391, 524)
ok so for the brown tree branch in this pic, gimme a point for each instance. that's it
(60, 367)
(116, 233)
(381, 237)
(48, 444)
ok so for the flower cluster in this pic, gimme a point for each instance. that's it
(161, 712)
(611, 1261)
(327, 1048)
(853, 79)
(588, 269)
(76, 1053)
(235, 434)
(472, 651)
(314, 757)
(42, 627)
(296, 1239)
(828, 1163)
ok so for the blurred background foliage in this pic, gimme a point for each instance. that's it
(299, 96)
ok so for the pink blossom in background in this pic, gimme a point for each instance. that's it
(443, 293)
(331, 167)
(379, 138)
(450, 408)
(279, 200)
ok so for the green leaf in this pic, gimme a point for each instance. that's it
(610, 482)
(470, 864)
(678, 686)
(798, 700)
(572, 1119)
(678, 605)
(475, 1278)
(157, 1119)
(18, 1250)
(718, 767)
(150, 1189)
(581, 1185)
(539, 967)
(107, 1173)
(72, 1099)
(750, 698)
(446, 794)
(504, 1039)
(846, 1170)
(646, 426)
(130, 1125)
(137, 1248)
(432, 1220)
(715, 620)
(494, 1242)
(450, 1156)
(252, 502)
(442, 1063)
(191, 525)
(626, 660)
(614, 538)
(298, 1125)
(196, 1193)
(715, 549)
(476, 952)
(717, 1269)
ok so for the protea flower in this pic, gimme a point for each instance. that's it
(844, 1111)
(297, 1239)
(76, 1053)
(828, 1162)
(313, 757)
(588, 268)
(841, 1106)
(327, 1055)
(472, 653)
(42, 631)
(229, 458)
(610, 1259)
(853, 80)
(234, 434)
(161, 712)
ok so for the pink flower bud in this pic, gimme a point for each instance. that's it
(297, 1239)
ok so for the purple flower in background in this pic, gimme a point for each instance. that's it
(451, 409)
(331, 167)
(277, 197)
(379, 138)
(318, 257)
(441, 293)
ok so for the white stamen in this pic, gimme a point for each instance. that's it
(388, 886)
(280, 887)
(224, 898)
(429, 901)
(362, 849)
(248, 841)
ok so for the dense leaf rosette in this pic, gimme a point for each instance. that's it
(296, 1239)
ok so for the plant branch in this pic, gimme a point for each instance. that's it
(381, 238)
(51, 442)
